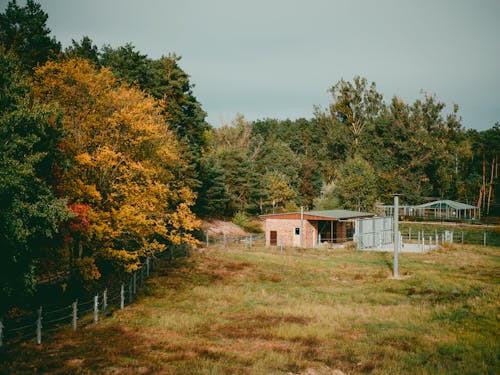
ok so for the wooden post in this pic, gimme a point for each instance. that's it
(39, 327)
(484, 238)
(207, 238)
(462, 237)
(1, 333)
(122, 297)
(225, 241)
(96, 308)
(130, 291)
(75, 314)
(104, 301)
(135, 282)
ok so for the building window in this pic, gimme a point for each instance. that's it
(297, 231)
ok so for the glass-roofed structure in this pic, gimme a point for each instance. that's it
(443, 210)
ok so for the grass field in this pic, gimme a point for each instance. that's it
(313, 312)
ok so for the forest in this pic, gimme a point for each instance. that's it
(106, 157)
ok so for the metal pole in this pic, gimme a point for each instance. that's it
(39, 327)
(75, 314)
(122, 297)
(96, 308)
(396, 233)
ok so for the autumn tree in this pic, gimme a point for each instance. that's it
(126, 168)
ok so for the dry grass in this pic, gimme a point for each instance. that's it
(304, 311)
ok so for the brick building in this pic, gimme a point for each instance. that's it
(296, 229)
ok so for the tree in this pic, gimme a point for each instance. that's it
(30, 214)
(355, 105)
(126, 172)
(85, 49)
(356, 185)
(24, 31)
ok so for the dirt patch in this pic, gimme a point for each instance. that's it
(219, 228)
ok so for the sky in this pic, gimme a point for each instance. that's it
(278, 58)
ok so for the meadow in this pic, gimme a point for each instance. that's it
(259, 311)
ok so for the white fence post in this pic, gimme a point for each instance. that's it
(122, 297)
(75, 314)
(39, 327)
(96, 308)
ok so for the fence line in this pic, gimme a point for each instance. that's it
(35, 324)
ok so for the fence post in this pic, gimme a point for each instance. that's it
(75, 314)
(207, 238)
(130, 291)
(135, 282)
(452, 237)
(281, 245)
(96, 308)
(1, 333)
(104, 301)
(225, 241)
(39, 327)
(484, 238)
(423, 243)
(462, 237)
(147, 267)
(122, 297)
(409, 234)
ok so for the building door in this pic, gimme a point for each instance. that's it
(296, 238)
(274, 238)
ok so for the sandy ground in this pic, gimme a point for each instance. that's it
(219, 228)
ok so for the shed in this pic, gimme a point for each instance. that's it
(307, 229)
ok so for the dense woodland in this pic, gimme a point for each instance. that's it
(106, 157)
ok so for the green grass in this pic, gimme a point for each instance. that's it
(258, 312)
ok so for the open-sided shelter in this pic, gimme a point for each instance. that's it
(441, 210)
(308, 229)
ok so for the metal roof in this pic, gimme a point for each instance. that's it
(329, 214)
(446, 202)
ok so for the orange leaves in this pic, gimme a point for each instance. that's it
(125, 174)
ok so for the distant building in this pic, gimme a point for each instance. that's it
(437, 210)
(307, 229)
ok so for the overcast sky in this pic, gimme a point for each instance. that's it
(266, 58)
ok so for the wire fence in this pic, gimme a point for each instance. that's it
(469, 236)
(35, 325)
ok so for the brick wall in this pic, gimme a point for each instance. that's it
(285, 229)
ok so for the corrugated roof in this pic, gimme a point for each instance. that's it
(447, 202)
(328, 214)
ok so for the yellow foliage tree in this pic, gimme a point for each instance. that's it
(125, 164)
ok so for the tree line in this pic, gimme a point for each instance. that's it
(106, 157)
